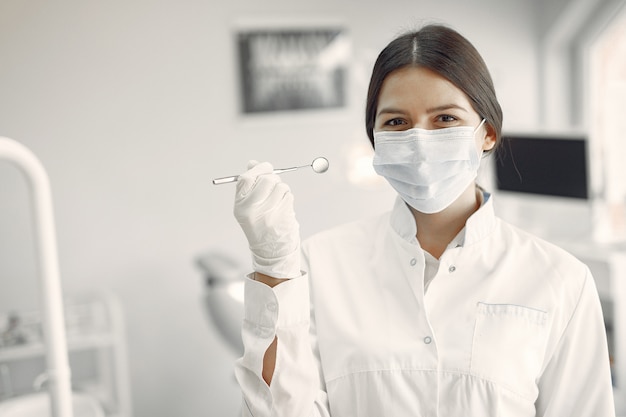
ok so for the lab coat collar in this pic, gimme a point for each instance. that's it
(478, 226)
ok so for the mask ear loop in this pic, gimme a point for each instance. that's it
(481, 152)
(482, 122)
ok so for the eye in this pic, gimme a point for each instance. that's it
(395, 122)
(446, 118)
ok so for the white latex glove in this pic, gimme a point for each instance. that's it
(264, 210)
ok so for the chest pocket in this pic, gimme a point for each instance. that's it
(508, 346)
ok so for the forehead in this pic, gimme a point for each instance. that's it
(419, 87)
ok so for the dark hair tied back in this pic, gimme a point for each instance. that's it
(449, 54)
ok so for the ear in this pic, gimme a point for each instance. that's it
(489, 141)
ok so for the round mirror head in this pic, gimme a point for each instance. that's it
(320, 165)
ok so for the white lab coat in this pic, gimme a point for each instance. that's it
(510, 326)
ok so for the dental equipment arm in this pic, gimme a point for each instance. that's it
(57, 362)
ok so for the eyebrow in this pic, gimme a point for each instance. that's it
(430, 110)
(446, 107)
(389, 110)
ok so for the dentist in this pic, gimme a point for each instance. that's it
(437, 308)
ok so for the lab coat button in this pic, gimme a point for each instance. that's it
(428, 340)
(452, 269)
(413, 262)
(271, 306)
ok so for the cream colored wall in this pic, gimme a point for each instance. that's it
(132, 107)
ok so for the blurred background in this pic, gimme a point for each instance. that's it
(134, 106)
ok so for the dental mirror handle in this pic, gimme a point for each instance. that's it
(235, 178)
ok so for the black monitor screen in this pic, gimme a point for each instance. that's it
(553, 166)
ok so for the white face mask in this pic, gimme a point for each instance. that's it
(430, 169)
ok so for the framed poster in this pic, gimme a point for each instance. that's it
(292, 69)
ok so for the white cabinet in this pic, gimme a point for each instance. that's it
(96, 347)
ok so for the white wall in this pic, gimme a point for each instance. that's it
(132, 107)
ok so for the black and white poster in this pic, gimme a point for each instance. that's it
(292, 69)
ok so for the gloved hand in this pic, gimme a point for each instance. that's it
(264, 210)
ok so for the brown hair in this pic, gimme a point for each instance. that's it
(449, 54)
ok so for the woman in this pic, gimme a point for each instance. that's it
(437, 308)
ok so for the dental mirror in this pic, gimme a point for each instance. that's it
(319, 165)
